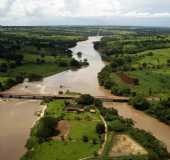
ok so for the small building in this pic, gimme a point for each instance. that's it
(92, 111)
(74, 109)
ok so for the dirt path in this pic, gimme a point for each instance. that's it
(105, 136)
(41, 115)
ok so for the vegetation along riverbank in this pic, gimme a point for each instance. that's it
(74, 129)
(138, 67)
(32, 53)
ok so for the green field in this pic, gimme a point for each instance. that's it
(151, 80)
(157, 82)
(44, 69)
(73, 148)
(35, 51)
(49, 67)
(151, 68)
(62, 151)
(158, 57)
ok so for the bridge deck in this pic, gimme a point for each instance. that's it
(43, 96)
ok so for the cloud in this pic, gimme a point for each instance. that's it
(5, 6)
(24, 12)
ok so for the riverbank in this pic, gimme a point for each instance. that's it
(34, 55)
(83, 80)
(16, 120)
(82, 140)
(143, 121)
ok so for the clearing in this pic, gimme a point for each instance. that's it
(123, 145)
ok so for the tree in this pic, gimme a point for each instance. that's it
(86, 99)
(19, 59)
(100, 128)
(19, 78)
(46, 128)
(85, 138)
(34, 77)
(139, 102)
(75, 63)
(3, 67)
(94, 141)
(1, 86)
(98, 103)
(79, 54)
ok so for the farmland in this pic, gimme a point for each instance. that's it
(82, 124)
(85, 134)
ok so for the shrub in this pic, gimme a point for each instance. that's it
(100, 128)
(45, 128)
(98, 103)
(121, 91)
(3, 67)
(86, 99)
(62, 63)
(94, 141)
(85, 138)
(32, 142)
(139, 103)
(1, 86)
(75, 63)
(34, 77)
(19, 78)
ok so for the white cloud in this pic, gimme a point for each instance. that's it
(22, 11)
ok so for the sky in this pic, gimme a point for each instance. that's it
(85, 12)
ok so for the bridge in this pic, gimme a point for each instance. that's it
(48, 96)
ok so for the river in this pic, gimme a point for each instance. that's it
(143, 121)
(16, 119)
(83, 80)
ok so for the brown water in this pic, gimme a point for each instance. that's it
(83, 80)
(16, 119)
(143, 121)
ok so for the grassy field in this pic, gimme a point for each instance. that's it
(151, 80)
(156, 75)
(152, 71)
(63, 151)
(158, 82)
(82, 124)
(151, 83)
(42, 69)
(50, 67)
(3, 79)
(158, 57)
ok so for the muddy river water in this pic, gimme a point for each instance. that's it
(16, 119)
(83, 80)
(17, 116)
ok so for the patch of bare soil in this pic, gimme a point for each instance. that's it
(64, 129)
(127, 79)
(123, 145)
